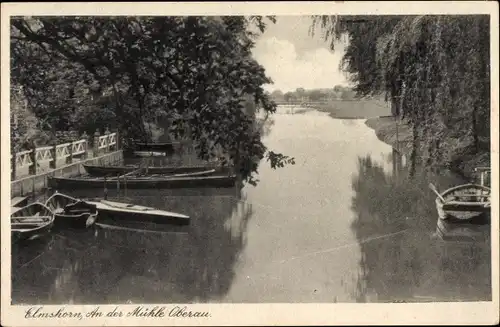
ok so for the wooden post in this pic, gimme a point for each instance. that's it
(118, 144)
(105, 189)
(125, 185)
(69, 159)
(85, 137)
(118, 186)
(96, 143)
(13, 163)
(53, 153)
(107, 132)
(32, 168)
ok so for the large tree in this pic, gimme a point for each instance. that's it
(433, 69)
(197, 73)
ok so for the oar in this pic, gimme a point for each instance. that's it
(434, 189)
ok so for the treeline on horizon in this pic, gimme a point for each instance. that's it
(435, 72)
(338, 92)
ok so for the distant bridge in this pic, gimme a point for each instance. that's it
(300, 103)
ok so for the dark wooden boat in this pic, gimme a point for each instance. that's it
(101, 171)
(119, 211)
(464, 202)
(138, 182)
(31, 222)
(71, 212)
(150, 153)
(168, 147)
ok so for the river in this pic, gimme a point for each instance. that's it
(341, 225)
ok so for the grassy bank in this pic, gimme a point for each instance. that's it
(464, 163)
(354, 109)
(396, 135)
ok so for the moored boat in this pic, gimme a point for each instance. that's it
(71, 212)
(150, 153)
(167, 147)
(138, 182)
(101, 171)
(30, 222)
(464, 202)
(119, 211)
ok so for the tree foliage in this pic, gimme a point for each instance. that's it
(196, 73)
(433, 69)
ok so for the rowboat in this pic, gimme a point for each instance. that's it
(71, 212)
(464, 202)
(101, 171)
(31, 222)
(155, 146)
(120, 211)
(150, 153)
(138, 182)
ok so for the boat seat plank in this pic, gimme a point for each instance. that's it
(31, 218)
(35, 223)
(461, 206)
(472, 197)
(465, 203)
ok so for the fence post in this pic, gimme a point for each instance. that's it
(69, 159)
(13, 163)
(96, 143)
(107, 132)
(53, 153)
(32, 169)
(85, 137)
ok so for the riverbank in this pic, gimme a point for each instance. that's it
(354, 109)
(385, 128)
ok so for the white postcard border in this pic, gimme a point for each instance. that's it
(258, 314)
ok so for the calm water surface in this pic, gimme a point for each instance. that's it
(342, 225)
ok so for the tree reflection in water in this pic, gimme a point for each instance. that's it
(405, 262)
(108, 266)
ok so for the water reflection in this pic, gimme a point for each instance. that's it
(401, 260)
(98, 266)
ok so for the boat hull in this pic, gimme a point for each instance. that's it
(168, 148)
(146, 154)
(462, 231)
(111, 211)
(61, 183)
(70, 212)
(133, 228)
(465, 203)
(74, 221)
(101, 171)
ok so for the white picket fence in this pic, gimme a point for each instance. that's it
(31, 162)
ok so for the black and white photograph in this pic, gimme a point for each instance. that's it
(163, 163)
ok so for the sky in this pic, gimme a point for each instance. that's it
(293, 58)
